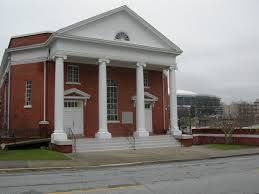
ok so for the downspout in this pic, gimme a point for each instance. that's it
(9, 88)
(44, 121)
(44, 93)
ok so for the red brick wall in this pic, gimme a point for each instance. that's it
(200, 140)
(20, 117)
(125, 78)
(29, 40)
(219, 131)
(50, 91)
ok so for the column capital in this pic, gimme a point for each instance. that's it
(64, 57)
(173, 67)
(103, 60)
(141, 64)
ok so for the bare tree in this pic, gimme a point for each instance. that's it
(228, 127)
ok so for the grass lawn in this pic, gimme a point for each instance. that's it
(32, 154)
(228, 147)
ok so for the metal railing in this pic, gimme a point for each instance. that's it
(132, 140)
(71, 135)
(13, 135)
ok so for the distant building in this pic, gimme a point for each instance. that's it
(247, 113)
(256, 106)
(199, 105)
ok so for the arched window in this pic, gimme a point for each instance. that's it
(112, 101)
(122, 36)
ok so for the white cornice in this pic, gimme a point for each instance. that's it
(31, 34)
(28, 61)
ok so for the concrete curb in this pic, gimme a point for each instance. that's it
(5, 170)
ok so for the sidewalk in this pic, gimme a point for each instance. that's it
(126, 157)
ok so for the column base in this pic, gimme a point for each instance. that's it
(103, 134)
(175, 132)
(141, 133)
(44, 129)
(63, 146)
(187, 140)
(58, 136)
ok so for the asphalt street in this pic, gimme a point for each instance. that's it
(227, 175)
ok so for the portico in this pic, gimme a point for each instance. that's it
(59, 132)
(70, 45)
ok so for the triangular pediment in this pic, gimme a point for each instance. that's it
(107, 25)
(74, 92)
(147, 97)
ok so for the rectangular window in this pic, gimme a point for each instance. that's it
(147, 105)
(146, 79)
(112, 101)
(72, 104)
(27, 94)
(73, 73)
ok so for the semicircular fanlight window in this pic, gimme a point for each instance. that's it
(122, 36)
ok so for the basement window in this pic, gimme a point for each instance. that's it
(28, 94)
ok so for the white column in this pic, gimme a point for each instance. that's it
(59, 133)
(174, 129)
(140, 103)
(102, 96)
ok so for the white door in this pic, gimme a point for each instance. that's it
(148, 117)
(73, 116)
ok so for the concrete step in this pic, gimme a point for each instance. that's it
(124, 143)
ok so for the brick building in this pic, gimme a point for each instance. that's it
(102, 77)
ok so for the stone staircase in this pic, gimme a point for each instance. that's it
(125, 143)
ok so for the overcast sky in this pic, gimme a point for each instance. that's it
(219, 38)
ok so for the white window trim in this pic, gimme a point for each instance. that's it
(26, 104)
(113, 121)
(147, 80)
(72, 82)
